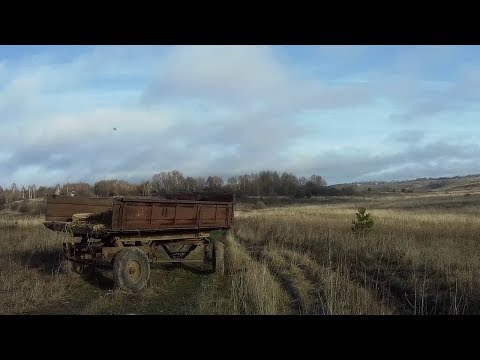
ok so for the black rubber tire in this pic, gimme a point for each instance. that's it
(131, 270)
(219, 258)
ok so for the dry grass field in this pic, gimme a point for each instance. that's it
(421, 257)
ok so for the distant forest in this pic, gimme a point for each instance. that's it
(264, 183)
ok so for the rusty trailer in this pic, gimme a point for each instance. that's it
(130, 233)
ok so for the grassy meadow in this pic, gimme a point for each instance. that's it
(421, 257)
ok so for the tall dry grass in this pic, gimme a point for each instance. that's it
(420, 258)
(29, 263)
(333, 290)
(251, 288)
(31, 283)
(254, 290)
(414, 262)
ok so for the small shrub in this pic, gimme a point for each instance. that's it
(363, 223)
(24, 208)
(260, 205)
(299, 194)
(40, 208)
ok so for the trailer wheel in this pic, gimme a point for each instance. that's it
(131, 269)
(219, 258)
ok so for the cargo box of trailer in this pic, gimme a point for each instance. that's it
(130, 233)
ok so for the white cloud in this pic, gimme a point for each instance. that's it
(241, 73)
(224, 110)
(246, 77)
(101, 123)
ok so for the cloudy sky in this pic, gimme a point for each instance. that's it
(348, 113)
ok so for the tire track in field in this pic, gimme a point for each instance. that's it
(308, 290)
(304, 293)
(337, 293)
(313, 288)
(318, 293)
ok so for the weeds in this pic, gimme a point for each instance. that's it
(420, 258)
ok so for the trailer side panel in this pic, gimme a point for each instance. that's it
(169, 215)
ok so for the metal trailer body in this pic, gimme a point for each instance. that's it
(129, 233)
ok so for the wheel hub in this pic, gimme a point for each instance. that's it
(134, 270)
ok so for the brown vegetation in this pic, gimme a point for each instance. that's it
(420, 257)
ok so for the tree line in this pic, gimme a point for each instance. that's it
(263, 183)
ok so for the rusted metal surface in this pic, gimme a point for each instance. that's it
(165, 230)
(175, 249)
(162, 237)
(61, 208)
(138, 214)
(141, 215)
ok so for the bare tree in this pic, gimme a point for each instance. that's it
(234, 183)
(166, 182)
(289, 184)
(318, 181)
(191, 184)
(201, 182)
(159, 183)
(302, 180)
(146, 188)
(214, 182)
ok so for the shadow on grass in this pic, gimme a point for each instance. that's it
(45, 261)
(48, 262)
(200, 270)
(98, 278)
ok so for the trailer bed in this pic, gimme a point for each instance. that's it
(129, 233)
(141, 214)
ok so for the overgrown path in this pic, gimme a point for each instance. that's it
(303, 289)
(305, 295)
(314, 289)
